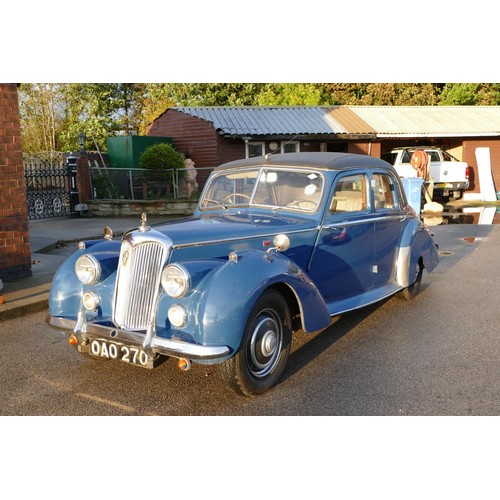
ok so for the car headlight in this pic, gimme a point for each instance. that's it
(175, 280)
(88, 269)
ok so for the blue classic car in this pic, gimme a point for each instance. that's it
(277, 244)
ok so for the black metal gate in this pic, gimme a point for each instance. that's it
(47, 188)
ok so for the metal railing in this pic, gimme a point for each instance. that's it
(142, 184)
(47, 188)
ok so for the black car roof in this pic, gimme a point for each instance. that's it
(333, 161)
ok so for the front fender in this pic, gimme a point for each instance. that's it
(66, 290)
(416, 242)
(227, 297)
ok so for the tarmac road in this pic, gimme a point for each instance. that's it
(435, 355)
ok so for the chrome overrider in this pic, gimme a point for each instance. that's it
(151, 343)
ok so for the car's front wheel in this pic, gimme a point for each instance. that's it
(264, 352)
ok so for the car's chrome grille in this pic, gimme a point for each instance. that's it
(138, 283)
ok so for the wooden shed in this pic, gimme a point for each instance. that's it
(215, 135)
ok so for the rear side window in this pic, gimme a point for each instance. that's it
(384, 192)
(350, 194)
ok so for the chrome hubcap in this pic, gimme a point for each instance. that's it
(269, 343)
(265, 343)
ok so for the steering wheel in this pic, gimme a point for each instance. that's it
(233, 195)
(304, 204)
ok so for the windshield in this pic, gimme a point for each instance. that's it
(271, 187)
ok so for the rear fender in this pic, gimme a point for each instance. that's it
(416, 243)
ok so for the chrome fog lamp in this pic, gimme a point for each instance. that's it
(91, 301)
(175, 280)
(88, 269)
(177, 316)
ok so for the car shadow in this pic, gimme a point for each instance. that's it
(307, 347)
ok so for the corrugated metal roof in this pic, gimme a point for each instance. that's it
(435, 121)
(349, 120)
(380, 121)
(268, 120)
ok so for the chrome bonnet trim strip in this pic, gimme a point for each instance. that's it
(228, 240)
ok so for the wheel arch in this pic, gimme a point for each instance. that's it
(239, 285)
(416, 246)
(292, 301)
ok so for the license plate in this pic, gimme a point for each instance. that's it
(126, 354)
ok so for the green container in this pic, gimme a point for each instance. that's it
(124, 151)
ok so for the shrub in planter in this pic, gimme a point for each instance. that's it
(158, 159)
(161, 156)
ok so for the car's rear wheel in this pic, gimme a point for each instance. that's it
(411, 291)
(264, 352)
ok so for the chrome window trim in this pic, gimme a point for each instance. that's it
(343, 223)
(368, 193)
(259, 169)
(398, 198)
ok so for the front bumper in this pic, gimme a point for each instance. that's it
(149, 342)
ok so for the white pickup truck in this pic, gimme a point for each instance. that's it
(451, 177)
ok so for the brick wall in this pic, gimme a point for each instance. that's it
(83, 178)
(15, 253)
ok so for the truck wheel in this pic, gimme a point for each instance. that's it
(411, 291)
(265, 348)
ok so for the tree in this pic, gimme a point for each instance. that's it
(91, 108)
(52, 115)
(151, 101)
(39, 107)
(292, 94)
(384, 94)
(470, 94)
(345, 93)
(128, 107)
